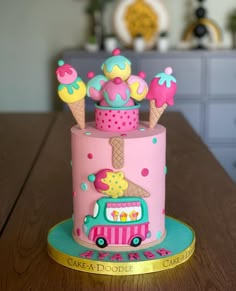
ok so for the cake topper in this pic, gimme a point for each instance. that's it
(138, 86)
(161, 93)
(117, 93)
(117, 66)
(72, 90)
(95, 86)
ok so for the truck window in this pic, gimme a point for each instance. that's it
(123, 211)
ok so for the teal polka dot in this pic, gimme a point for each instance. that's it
(159, 234)
(61, 63)
(165, 170)
(87, 133)
(142, 129)
(84, 187)
(91, 178)
(149, 234)
(154, 140)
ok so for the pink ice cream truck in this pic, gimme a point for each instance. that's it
(118, 221)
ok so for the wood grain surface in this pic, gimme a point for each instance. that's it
(199, 192)
(21, 139)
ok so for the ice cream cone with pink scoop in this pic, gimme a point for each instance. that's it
(72, 90)
(114, 184)
(161, 93)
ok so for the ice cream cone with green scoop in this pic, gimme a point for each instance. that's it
(72, 90)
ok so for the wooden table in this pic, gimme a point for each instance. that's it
(35, 169)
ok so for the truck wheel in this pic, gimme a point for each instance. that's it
(136, 241)
(101, 242)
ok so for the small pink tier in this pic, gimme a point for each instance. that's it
(117, 119)
(144, 164)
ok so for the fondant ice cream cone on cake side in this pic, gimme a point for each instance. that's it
(135, 190)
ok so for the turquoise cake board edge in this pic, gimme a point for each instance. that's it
(178, 246)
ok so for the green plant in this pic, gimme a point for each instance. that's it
(163, 34)
(231, 24)
(92, 39)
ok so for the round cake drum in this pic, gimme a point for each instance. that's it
(177, 247)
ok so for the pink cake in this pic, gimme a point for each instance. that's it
(118, 162)
(118, 226)
(137, 160)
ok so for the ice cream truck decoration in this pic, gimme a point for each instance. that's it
(118, 221)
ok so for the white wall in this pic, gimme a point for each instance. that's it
(34, 33)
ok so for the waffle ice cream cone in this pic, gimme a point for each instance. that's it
(78, 110)
(133, 215)
(117, 152)
(72, 90)
(115, 215)
(123, 216)
(155, 113)
(135, 190)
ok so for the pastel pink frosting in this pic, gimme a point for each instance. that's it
(66, 74)
(99, 185)
(116, 92)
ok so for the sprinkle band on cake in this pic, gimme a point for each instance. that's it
(119, 166)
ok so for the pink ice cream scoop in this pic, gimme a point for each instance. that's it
(97, 180)
(129, 103)
(162, 88)
(116, 92)
(66, 74)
